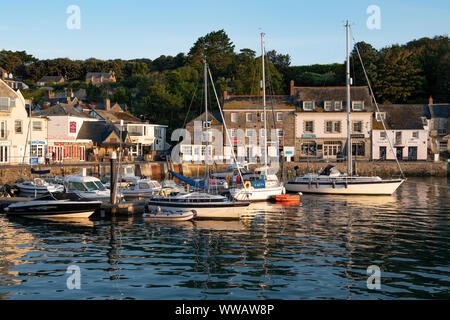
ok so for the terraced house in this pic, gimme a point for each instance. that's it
(18, 142)
(321, 122)
(244, 118)
(406, 135)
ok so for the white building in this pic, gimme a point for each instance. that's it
(20, 134)
(321, 122)
(147, 138)
(406, 135)
(64, 125)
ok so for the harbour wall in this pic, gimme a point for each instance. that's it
(159, 170)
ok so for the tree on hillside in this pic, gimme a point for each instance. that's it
(399, 75)
(369, 57)
(218, 50)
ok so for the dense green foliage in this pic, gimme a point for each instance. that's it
(169, 90)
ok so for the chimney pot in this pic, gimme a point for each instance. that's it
(292, 87)
(430, 100)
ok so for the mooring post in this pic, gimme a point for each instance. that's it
(113, 173)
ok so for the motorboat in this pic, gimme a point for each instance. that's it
(170, 186)
(38, 186)
(53, 206)
(169, 214)
(87, 188)
(332, 181)
(142, 188)
(261, 185)
(206, 205)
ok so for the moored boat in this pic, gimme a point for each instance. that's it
(291, 198)
(331, 181)
(206, 205)
(38, 186)
(53, 207)
(169, 214)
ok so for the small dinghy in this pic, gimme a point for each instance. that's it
(283, 198)
(172, 214)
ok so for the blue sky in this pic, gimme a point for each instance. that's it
(309, 31)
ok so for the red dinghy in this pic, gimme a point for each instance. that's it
(286, 198)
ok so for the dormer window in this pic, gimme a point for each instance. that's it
(381, 116)
(308, 105)
(206, 124)
(328, 105)
(357, 105)
(424, 121)
(338, 105)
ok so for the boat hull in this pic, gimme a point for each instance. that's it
(54, 209)
(206, 210)
(381, 187)
(256, 194)
(170, 215)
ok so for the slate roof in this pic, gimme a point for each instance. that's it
(99, 75)
(256, 102)
(51, 79)
(321, 94)
(64, 110)
(98, 131)
(116, 116)
(214, 117)
(440, 110)
(402, 116)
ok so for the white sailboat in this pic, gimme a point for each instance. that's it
(203, 204)
(271, 186)
(331, 180)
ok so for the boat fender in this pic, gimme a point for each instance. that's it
(317, 184)
(247, 185)
(334, 184)
(283, 190)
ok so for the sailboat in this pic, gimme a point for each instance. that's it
(204, 204)
(331, 180)
(265, 184)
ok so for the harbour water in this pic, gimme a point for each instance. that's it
(320, 249)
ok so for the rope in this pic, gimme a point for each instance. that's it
(226, 129)
(376, 104)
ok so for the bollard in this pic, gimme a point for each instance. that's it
(113, 173)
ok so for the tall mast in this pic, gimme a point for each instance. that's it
(264, 101)
(206, 119)
(349, 140)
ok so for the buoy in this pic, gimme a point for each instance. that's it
(247, 185)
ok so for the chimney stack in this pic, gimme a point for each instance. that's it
(430, 100)
(292, 88)
(49, 94)
(225, 95)
(108, 104)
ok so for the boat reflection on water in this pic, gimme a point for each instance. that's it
(370, 201)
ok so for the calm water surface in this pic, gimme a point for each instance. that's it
(318, 250)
